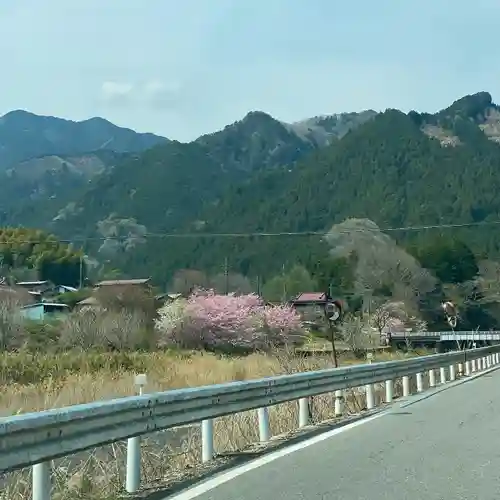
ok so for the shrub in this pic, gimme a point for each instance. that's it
(12, 334)
(104, 329)
(211, 321)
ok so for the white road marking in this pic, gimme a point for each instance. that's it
(210, 484)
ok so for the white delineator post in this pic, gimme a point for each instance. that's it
(264, 428)
(41, 481)
(432, 378)
(406, 386)
(339, 403)
(207, 440)
(442, 373)
(420, 382)
(133, 477)
(303, 412)
(389, 391)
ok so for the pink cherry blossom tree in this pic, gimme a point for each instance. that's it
(210, 321)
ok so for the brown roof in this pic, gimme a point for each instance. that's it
(310, 297)
(123, 282)
(89, 301)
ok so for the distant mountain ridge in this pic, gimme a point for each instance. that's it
(24, 135)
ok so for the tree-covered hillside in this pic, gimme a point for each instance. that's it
(41, 256)
(168, 187)
(391, 170)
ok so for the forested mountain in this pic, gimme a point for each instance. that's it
(168, 187)
(261, 175)
(46, 163)
(397, 169)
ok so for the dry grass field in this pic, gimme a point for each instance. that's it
(33, 382)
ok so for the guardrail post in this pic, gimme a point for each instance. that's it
(389, 391)
(41, 481)
(207, 440)
(303, 412)
(133, 475)
(432, 378)
(339, 403)
(370, 397)
(442, 375)
(473, 365)
(420, 382)
(460, 369)
(488, 361)
(406, 386)
(264, 429)
(452, 373)
(467, 368)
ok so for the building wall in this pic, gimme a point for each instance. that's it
(33, 313)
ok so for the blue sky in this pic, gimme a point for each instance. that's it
(183, 68)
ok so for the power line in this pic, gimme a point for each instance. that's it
(263, 234)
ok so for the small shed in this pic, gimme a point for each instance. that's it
(43, 310)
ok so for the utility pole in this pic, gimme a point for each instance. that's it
(226, 276)
(283, 298)
(81, 271)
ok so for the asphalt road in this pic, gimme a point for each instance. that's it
(444, 447)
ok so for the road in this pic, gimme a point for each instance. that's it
(443, 447)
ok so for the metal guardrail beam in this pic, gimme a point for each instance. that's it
(38, 438)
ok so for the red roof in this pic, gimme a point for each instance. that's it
(310, 297)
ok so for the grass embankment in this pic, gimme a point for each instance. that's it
(33, 382)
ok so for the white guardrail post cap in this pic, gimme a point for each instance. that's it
(141, 379)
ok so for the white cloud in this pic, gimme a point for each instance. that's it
(152, 93)
(113, 90)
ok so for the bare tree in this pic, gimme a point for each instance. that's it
(381, 265)
(358, 334)
(231, 283)
(186, 280)
(105, 330)
(12, 333)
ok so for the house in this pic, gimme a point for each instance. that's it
(142, 282)
(86, 304)
(116, 288)
(17, 295)
(35, 287)
(310, 298)
(312, 307)
(64, 289)
(168, 297)
(43, 310)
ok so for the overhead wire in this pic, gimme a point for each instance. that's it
(263, 234)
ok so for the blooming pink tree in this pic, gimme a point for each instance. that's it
(211, 321)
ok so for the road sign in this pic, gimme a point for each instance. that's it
(333, 311)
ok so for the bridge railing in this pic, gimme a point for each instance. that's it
(35, 439)
(466, 334)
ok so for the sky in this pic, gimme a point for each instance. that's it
(184, 68)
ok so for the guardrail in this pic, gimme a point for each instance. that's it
(34, 439)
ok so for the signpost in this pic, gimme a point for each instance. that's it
(333, 312)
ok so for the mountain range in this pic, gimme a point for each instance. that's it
(258, 175)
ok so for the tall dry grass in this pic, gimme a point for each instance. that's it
(33, 382)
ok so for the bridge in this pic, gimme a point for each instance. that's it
(443, 340)
(436, 441)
